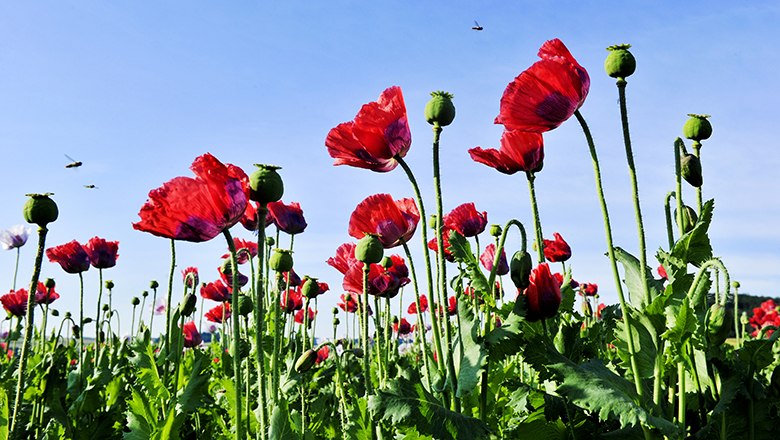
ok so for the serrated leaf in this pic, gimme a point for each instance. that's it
(461, 251)
(645, 333)
(567, 293)
(635, 280)
(506, 340)
(681, 322)
(758, 352)
(408, 404)
(694, 247)
(474, 357)
(541, 429)
(281, 429)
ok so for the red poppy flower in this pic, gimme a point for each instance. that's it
(384, 283)
(348, 303)
(466, 220)
(288, 218)
(245, 250)
(226, 274)
(102, 253)
(452, 307)
(489, 256)
(344, 258)
(662, 272)
(402, 327)
(190, 276)
(299, 316)
(547, 93)
(15, 302)
(559, 279)
(556, 250)
(519, 151)
(44, 295)
(412, 310)
(216, 291)
(71, 256)
(599, 309)
(219, 313)
(291, 279)
(192, 336)
(589, 289)
(249, 219)
(394, 221)
(543, 295)
(378, 134)
(445, 238)
(196, 209)
(291, 300)
(322, 354)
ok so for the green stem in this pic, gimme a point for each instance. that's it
(236, 335)
(736, 314)
(259, 315)
(367, 349)
(16, 268)
(168, 304)
(678, 146)
(81, 328)
(277, 340)
(697, 153)
(537, 222)
(28, 328)
(668, 213)
(681, 398)
(611, 252)
(132, 323)
(100, 298)
(713, 262)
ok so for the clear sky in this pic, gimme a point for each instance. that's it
(137, 90)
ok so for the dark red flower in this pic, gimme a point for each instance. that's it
(452, 307)
(291, 300)
(384, 283)
(216, 291)
(44, 295)
(322, 354)
(489, 256)
(402, 327)
(412, 310)
(15, 302)
(196, 209)
(344, 258)
(662, 272)
(559, 279)
(543, 295)
(519, 151)
(299, 316)
(556, 250)
(72, 257)
(190, 276)
(192, 336)
(394, 221)
(249, 219)
(547, 93)
(348, 303)
(245, 250)
(466, 220)
(288, 218)
(599, 309)
(445, 238)
(589, 289)
(102, 253)
(378, 134)
(219, 313)
(226, 274)
(291, 279)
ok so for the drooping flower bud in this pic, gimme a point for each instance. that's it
(620, 63)
(310, 288)
(520, 269)
(187, 306)
(717, 324)
(306, 361)
(691, 170)
(49, 283)
(697, 127)
(543, 295)
(440, 110)
(369, 249)
(55, 312)
(689, 218)
(40, 209)
(76, 331)
(245, 305)
(281, 260)
(336, 322)
(265, 184)
(135, 301)
(495, 230)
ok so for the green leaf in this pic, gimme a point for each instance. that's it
(681, 321)
(3, 414)
(474, 356)
(758, 352)
(506, 340)
(567, 293)
(141, 418)
(694, 247)
(281, 428)
(461, 251)
(541, 429)
(635, 280)
(645, 335)
(407, 404)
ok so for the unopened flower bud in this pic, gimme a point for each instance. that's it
(743, 319)
(520, 269)
(135, 301)
(187, 306)
(440, 111)
(689, 218)
(306, 361)
(76, 331)
(109, 284)
(68, 315)
(336, 322)
(495, 230)
(310, 288)
(386, 262)
(154, 284)
(281, 260)
(369, 249)
(105, 307)
(269, 241)
(265, 185)
(716, 324)
(40, 209)
(335, 310)
(735, 284)
(145, 293)
(358, 352)
(620, 63)
(87, 320)
(691, 170)
(49, 283)
(55, 312)
(697, 127)
(245, 305)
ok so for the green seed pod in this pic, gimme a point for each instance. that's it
(620, 63)
(68, 315)
(369, 249)
(336, 322)
(310, 288)
(245, 305)
(76, 331)
(306, 361)
(717, 324)
(697, 127)
(109, 284)
(49, 283)
(691, 170)
(105, 307)
(689, 218)
(432, 221)
(386, 262)
(154, 284)
(495, 231)
(335, 310)
(520, 269)
(440, 110)
(145, 293)
(55, 312)
(269, 241)
(281, 260)
(40, 209)
(135, 301)
(87, 320)
(187, 306)
(265, 184)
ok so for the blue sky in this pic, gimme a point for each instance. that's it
(137, 90)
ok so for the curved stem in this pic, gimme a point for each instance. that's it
(236, 335)
(678, 147)
(537, 222)
(168, 304)
(668, 213)
(259, 315)
(28, 328)
(611, 252)
(713, 262)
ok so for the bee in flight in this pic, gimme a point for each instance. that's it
(476, 26)
(90, 187)
(73, 162)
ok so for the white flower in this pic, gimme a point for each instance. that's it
(14, 237)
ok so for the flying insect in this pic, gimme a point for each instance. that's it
(73, 162)
(476, 26)
(90, 187)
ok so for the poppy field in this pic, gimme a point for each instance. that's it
(483, 331)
